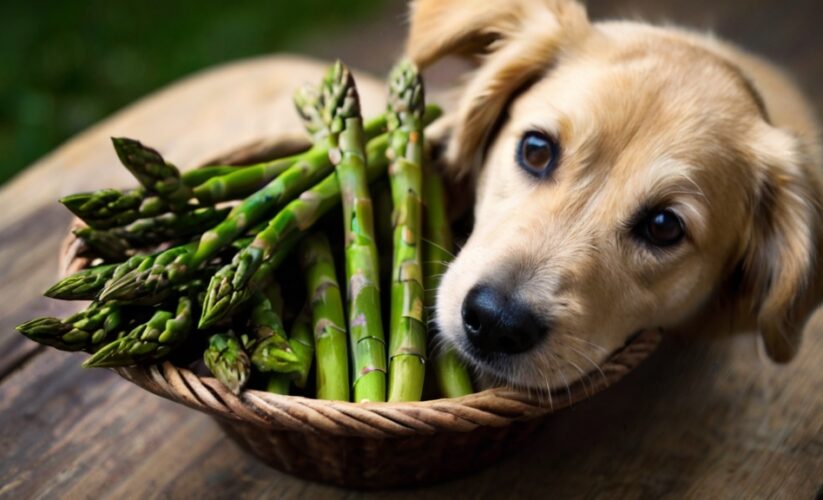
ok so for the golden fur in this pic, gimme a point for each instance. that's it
(643, 116)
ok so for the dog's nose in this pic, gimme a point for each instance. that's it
(498, 323)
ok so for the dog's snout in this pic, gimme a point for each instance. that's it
(495, 322)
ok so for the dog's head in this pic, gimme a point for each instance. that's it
(625, 181)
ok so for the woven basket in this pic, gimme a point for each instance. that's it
(371, 445)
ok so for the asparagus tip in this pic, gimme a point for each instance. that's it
(228, 361)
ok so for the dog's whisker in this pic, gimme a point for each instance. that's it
(565, 381)
(590, 360)
(585, 341)
(436, 245)
(549, 393)
(547, 381)
(584, 377)
(549, 361)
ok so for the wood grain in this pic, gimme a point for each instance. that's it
(702, 419)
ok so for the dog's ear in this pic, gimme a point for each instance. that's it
(516, 41)
(780, 266)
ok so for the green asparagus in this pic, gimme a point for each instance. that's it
(149, 342)
(272, 351)
(171, 226)
(105, 243)
(407, 341)
(245, 181)
(147, 276)
(307, 102)
(151, 231)
(82, 285)
(196, 176)
(328, 318)
(109, 208)
(225, 293)
(341, 113)
(153, 172)
(228, 361)
(86, 330)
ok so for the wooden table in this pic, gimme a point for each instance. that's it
(702, 419)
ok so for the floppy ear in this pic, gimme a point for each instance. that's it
(517, 41)
(781, 261)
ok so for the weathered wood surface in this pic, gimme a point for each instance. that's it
(702, 419)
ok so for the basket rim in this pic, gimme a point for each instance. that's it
(494, 407)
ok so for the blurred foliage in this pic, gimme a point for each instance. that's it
(66, 64)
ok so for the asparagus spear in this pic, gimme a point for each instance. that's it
(151, 231)
(272, 351)
(153, 172)
(109, 208)
(452, 376)
(196, 176)
(341, 112)
(172, 226)
(301, 341)
(228, 361)
(224, 294)
(407, 341)
(150, 341)
(247, 180)
(88, 283)
(82, 285)
(327, 317)
(147, 276)
(84, 331)
(296, 179)
(108, 245)
(307, 102)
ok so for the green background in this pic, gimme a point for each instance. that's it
(66, 64)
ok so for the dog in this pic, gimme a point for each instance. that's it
(627, 177)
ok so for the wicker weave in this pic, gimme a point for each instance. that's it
(371, 445)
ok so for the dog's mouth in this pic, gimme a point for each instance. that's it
(501, 368)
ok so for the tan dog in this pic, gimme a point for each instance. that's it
(628, 177)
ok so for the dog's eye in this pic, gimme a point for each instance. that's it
(662, 228)
(537, 153)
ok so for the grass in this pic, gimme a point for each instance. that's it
(65, 65)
